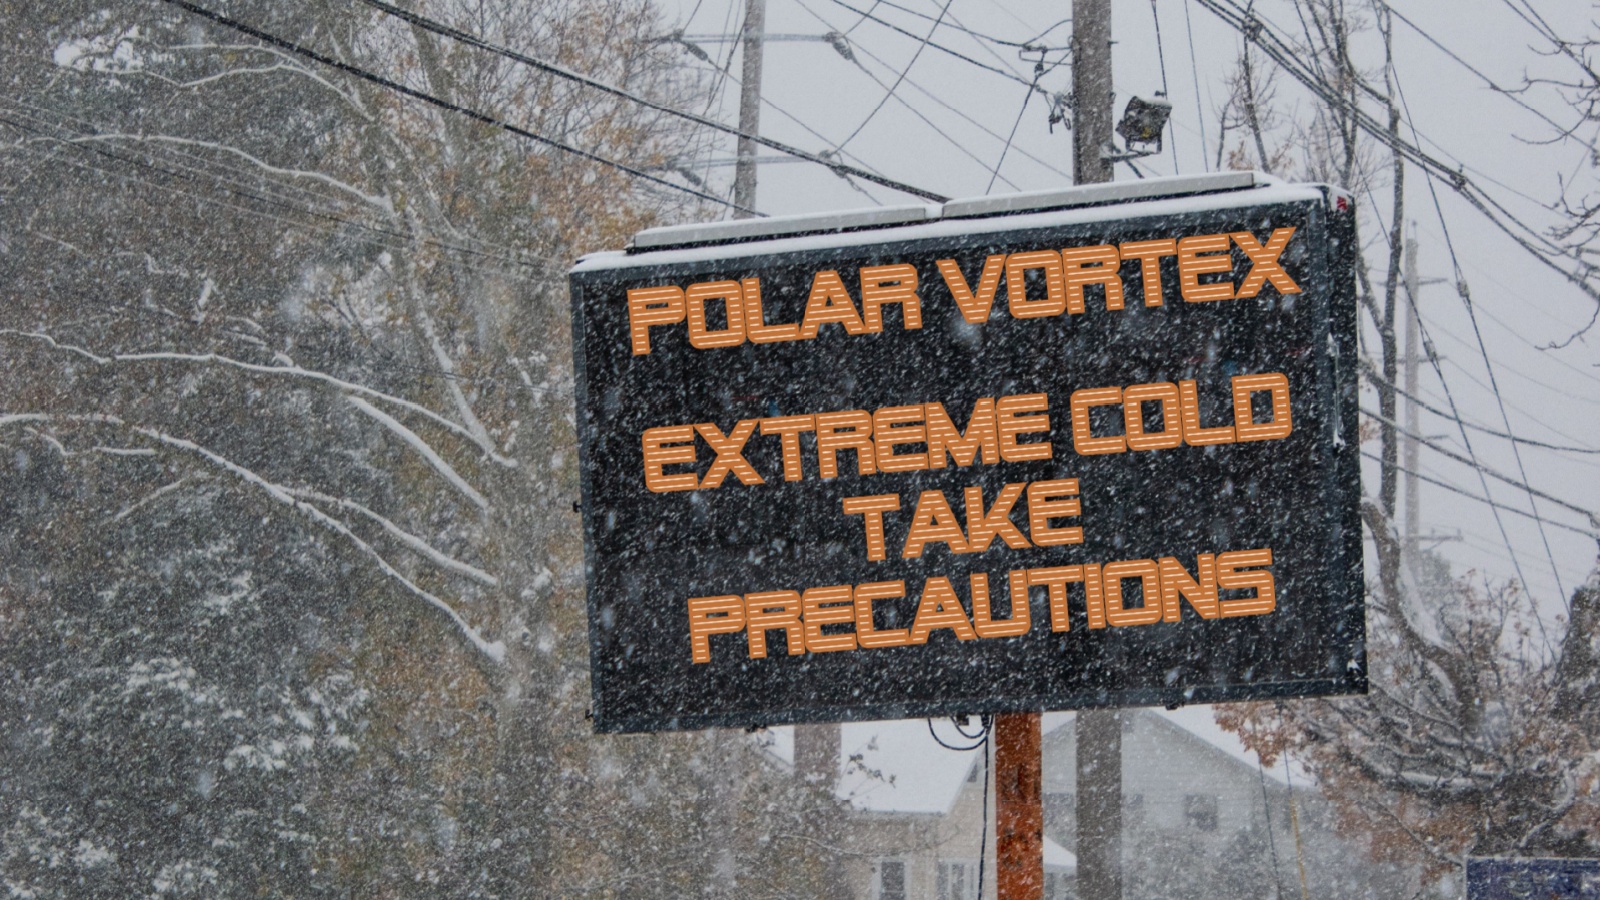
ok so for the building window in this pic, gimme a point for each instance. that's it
(957, 880)
(1201, 811)
(891, 879)
(1058, 886)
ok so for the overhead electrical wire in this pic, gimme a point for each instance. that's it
(1482, 469)
(1488, 387)
(1161, 56)
(485, 118)
(1490, 82)
(1003, 150)
(1024, 45)
(937, 100)
(471, 40)
(1022, 51)
(399, 240)
(923, 45)
(767, 102)
(1526, 236)
(994, 171)
(1455, 416)
(1536, 243)
(1378, 381)
(941, 132)
(1544, 30)
(1472, 456)
(980, 742)
(1194, 67)
(935, 45)
(1472, 316)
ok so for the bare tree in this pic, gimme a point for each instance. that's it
(1477, 737)
(292, 583)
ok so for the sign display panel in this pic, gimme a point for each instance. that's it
(1093, 456)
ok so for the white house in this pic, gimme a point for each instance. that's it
(1202, 818)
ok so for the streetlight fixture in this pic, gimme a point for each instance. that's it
(1142, 123)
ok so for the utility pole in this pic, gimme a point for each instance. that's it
(816, 747)
(1019, 807)
(1413, 426)
(744, 173)
(1099, 731)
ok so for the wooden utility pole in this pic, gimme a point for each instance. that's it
(1092, 92)
(1019, 806)
(744, 173)
(1099, 732)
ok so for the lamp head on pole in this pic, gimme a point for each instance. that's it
(1142, 123)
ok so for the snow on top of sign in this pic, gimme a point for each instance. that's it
(773, 226)
(1113, 192)
(1166, 207)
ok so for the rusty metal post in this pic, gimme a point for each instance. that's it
(1019, 807)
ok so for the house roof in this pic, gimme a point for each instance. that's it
(899, 767)
(1059, 858)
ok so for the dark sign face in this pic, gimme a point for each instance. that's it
(1078, 458)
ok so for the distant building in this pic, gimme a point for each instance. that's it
(935, 854)
(1202, 819)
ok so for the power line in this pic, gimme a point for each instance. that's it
(471, 40)
(403, 241)
(1525, 305)
(734, 79)
(1003, 150)
(1472, 316)
(1161, 56)
(1477, 333)
(290, 195)
(926, 121)
(1529, 238)
(902, 76)
(1024, 45)
(374, 78)
(1379, 381)
(1592, 401)
(937, 46)
(1481, 468)
(941, 132)
(1194, 67)
(1492, 84)
(940, 102)
(1258, 32)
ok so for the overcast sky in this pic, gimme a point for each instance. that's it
(951, 137)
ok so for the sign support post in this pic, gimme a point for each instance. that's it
(1019, 812)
